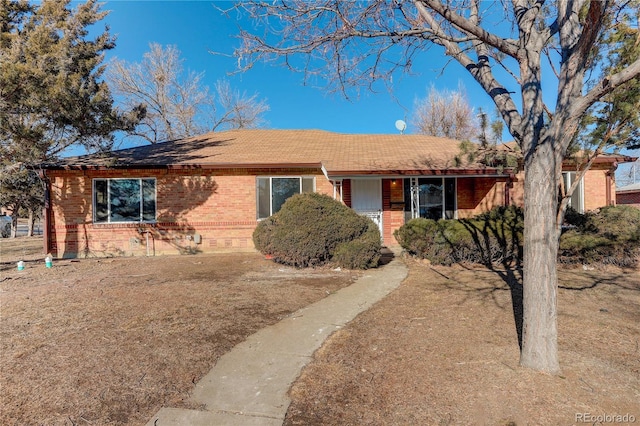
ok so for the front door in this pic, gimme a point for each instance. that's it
(366, 199)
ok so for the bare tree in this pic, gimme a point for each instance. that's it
(445, 113)
(177, 103)
(629, 174)
(240, 111)
(503, 45)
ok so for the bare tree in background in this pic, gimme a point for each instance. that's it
(508, 48)
(629, 174)
(239, 110)
(445, 113)
(177, 103)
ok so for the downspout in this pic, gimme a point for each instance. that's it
(324, 171)
(609, 175)
(507, 189)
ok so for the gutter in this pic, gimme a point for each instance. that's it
(204, 166)
(390, 174)
(627, 191)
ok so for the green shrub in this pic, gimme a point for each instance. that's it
(417, 235)
(262, 235)
(308, 229)
(618, 223)
(610, 236)
(443, 242)
(361, 253)
(497, 235)
(492, 237)
(575, 219)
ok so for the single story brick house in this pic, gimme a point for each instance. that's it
(207, 193)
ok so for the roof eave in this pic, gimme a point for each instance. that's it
(346, 174)
(203, 166)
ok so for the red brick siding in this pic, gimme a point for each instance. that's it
(595, 189)
(219, 206)
(631, 198)
(516, 192)
(477, 195)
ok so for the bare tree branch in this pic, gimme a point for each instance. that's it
(177, 103)
(508, 47)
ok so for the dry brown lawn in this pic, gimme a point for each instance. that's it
(443, 350)
(110, 341)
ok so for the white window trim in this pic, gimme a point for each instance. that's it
(108, 221)
(579, 189)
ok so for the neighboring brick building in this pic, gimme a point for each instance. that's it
(629, 195)
(207, 193)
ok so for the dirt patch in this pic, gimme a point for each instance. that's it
(110, 341)
(443, 349)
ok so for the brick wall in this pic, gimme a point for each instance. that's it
(595, 189)
(220, 207)
(631, 198)
(477, 195)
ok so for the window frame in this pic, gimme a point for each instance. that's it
(270, 179)
(568, 179)
(409, 200)
(141, 211)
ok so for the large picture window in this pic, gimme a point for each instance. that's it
(124, 200)
(274, 191)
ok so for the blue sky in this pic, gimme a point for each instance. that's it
(197, 28)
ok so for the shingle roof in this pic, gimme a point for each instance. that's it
(337, 153)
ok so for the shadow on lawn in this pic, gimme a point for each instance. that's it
(500, 246)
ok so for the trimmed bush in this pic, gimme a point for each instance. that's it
(574, 219)
(437, 241)
(493, 237)
(610, 236)
(361, 253)
(308, 229)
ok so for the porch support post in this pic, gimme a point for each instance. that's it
(337, 190)
(415, 198)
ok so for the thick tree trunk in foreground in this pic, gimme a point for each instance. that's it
(540, 333)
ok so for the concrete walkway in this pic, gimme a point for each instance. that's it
(249, 384)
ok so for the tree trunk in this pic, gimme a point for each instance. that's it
(14, 224)
(541, 240)
(32, 220)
